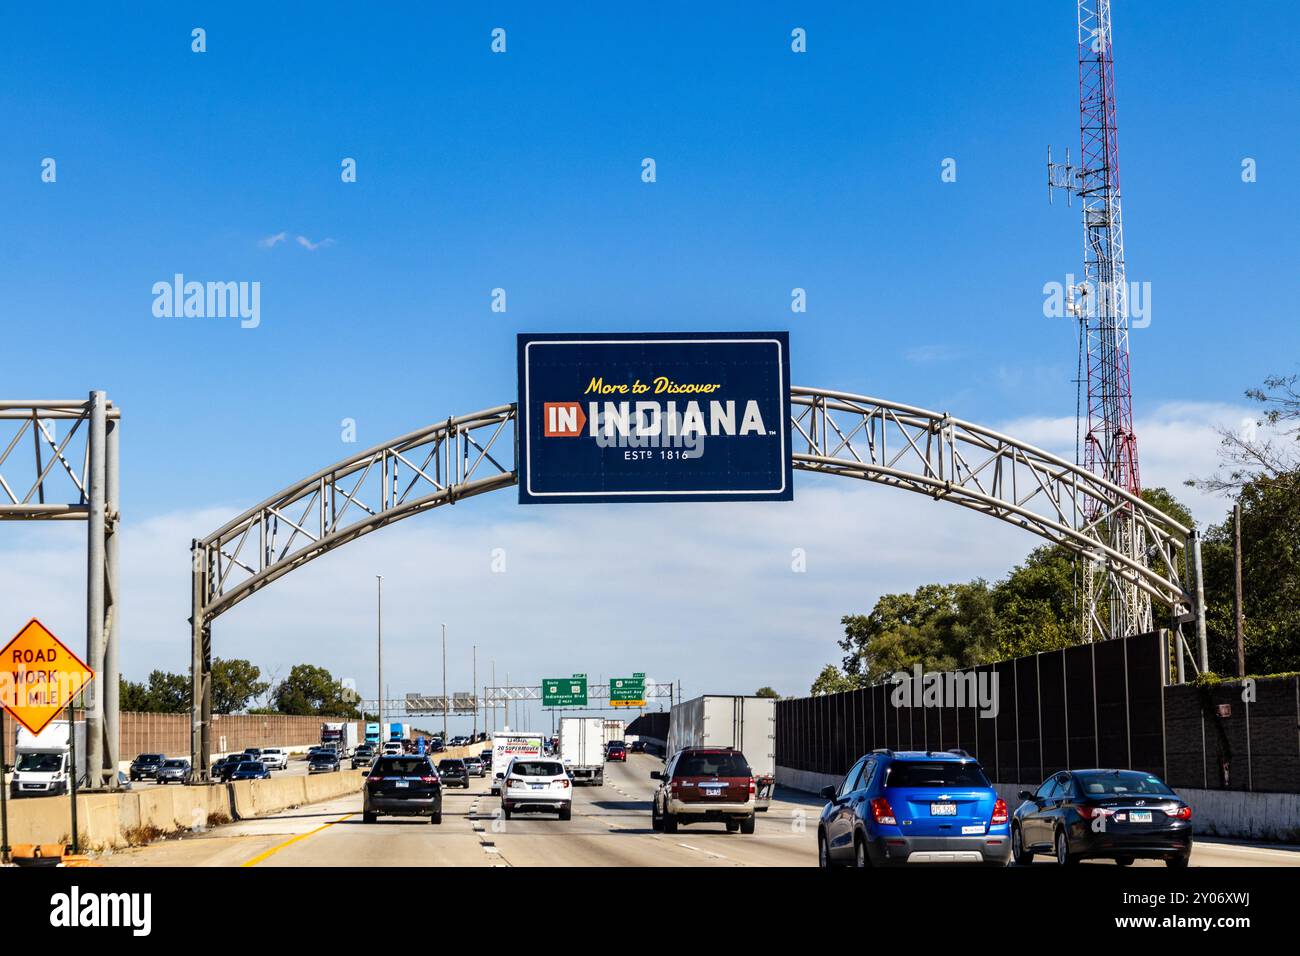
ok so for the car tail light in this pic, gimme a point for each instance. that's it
(1087, 812)
(674, 786)
(428, 780)
(514, 782)
(563, 782)
(882, 812)
(1182, 813)
(999, 811)
(752, 788)
(374, 780)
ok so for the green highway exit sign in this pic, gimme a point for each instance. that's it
(627, 691)
(565, 691)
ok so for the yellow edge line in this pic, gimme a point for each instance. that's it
(292, 840)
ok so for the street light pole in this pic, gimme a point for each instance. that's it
(444, 685)
(379, 634)
(474, 688)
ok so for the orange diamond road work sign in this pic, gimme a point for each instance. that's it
(39, 676)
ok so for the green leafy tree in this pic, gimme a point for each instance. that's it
(167, 693)
(312, 690)
(942, 627)
(767, 692)
(131, 696)
(234, 684)
(831, 681)
(1270, 539)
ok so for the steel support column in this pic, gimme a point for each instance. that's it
(93, 696)
(110, 687)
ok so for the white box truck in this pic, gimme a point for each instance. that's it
(41, 760)
(582, 749)
(510, 744)
(747, 724)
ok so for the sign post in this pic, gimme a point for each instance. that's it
(72, 775)
(4, 796)
(40, 677)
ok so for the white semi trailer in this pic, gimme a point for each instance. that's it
(747, 724)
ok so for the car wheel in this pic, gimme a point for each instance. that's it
(1178, 862)
(367, 818)
(435, 817)
(1023, 856)
(1063, 855)
(824, 852)
(1124, 861)
(505, 812)
(566, 813)
(860, 858)
(733, 826)
(669, 822)
(655, 823)
(747, 824)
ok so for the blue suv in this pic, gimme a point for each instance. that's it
(914, 807)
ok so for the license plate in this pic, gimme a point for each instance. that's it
(711, 791)
(1140, 816)
(537, 786)
(943, 809)
(402, 783)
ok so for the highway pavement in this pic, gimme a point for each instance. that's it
(610, 827)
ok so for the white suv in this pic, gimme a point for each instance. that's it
(536, 783)
(275, 758)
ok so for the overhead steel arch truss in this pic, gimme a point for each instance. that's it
(833, 433)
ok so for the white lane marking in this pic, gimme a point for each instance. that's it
(716, 856)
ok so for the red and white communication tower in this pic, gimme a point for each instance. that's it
(1107, 445)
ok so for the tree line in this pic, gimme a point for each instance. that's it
(236, 687)
(947, 626)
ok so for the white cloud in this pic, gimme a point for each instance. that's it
(271, 241)
(700, 593)
(313, 246)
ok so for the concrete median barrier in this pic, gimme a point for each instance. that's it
(114, 820)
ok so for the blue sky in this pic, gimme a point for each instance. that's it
(522, 171)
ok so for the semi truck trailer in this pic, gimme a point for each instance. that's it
(747, 724)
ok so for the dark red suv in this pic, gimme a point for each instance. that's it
(615, 750)
(704, 785)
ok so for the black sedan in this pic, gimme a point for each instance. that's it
(453, 772)
(402, 785)
(145, 766)
(323, 761)
(1113, 814)
(250, 770)
(223, 768)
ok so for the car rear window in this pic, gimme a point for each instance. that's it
(712, 765)
(450, 765)
(249, 765)
(537, 768)
(937, 773)
(1121, 783)
(413, 767)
